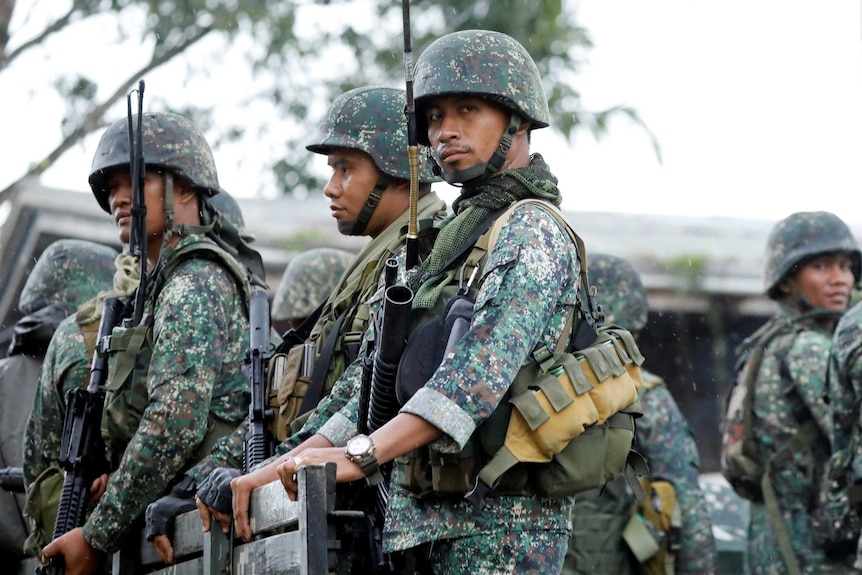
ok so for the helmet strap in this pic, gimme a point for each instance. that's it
(484, 170)
(171, 227)
(169, 207)
(371, 204)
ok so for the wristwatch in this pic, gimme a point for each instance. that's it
(360, 450)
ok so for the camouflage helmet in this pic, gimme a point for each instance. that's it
(170, 141)
(372, 120)
(620, 291)
(227, 206)
(483, 63)
(68, 272)
(307, 281)
(802, 236)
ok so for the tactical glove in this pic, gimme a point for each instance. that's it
(215, 490)
(161, 513)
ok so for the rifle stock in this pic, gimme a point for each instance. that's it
(82, 451)
(258, 445)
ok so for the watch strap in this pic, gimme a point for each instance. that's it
(371, 468)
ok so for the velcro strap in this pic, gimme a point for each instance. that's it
(580, 383)
(530, 408)
(553, 390)
(631, 347)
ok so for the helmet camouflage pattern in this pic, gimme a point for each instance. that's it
(482, 63)
(620, 291)
(227, 206)
(372, 120)
(170, 141)
(802, 236)
(307, 281)
(68, 272)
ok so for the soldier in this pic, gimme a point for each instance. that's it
(478, 96)
(663, 437)
(843, 474)
(812, 263)
(174, 395)
(307, 283)
(66, 274)
(364, 137)
(66, 367)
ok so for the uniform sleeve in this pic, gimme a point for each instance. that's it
(665, 439)
(528, 287)
(807, 362)
(66, 367)
(845, 375)
(191, 333)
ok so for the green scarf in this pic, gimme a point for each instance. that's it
(471, 209)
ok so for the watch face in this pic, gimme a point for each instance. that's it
(359, 445)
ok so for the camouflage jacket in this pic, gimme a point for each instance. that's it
(528, 286)
(845, 377)
(200, 336)
(66, 367)
(789, 390)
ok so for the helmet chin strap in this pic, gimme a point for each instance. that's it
(357, 227)
(171, 227)
(484, 170)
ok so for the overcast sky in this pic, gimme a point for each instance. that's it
(756, 106)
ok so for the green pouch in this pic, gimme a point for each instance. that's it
(590, 460)
(43, 499)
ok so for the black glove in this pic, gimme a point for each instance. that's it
(215, 489)
(161, 513)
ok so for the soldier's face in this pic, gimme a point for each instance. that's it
(464, 131)
(353, 177)
(120, 201)
(826, 281)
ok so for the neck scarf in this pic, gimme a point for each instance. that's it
(471, 209)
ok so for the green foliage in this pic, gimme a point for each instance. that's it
(302, 54)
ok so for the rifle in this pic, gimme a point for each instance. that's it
(258, 443)
(138, 238)
(378, 402)
(82, 452)
(12, 479)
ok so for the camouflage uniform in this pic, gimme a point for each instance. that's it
(790, 390)
(845, 389)
(307, 282)
(192, 384)
(66, 274)
(663, 437)
(371, 120)
(527, 289)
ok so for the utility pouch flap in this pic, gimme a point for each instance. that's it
(640, 539)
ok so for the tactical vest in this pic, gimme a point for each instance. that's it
(132, 347)
(548, 403)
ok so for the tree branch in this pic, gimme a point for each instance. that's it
(54, 27)
(95, 117)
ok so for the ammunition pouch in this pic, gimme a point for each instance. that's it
(41, 505)
(287, 383)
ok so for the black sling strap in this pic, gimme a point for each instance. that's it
(314, 392)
